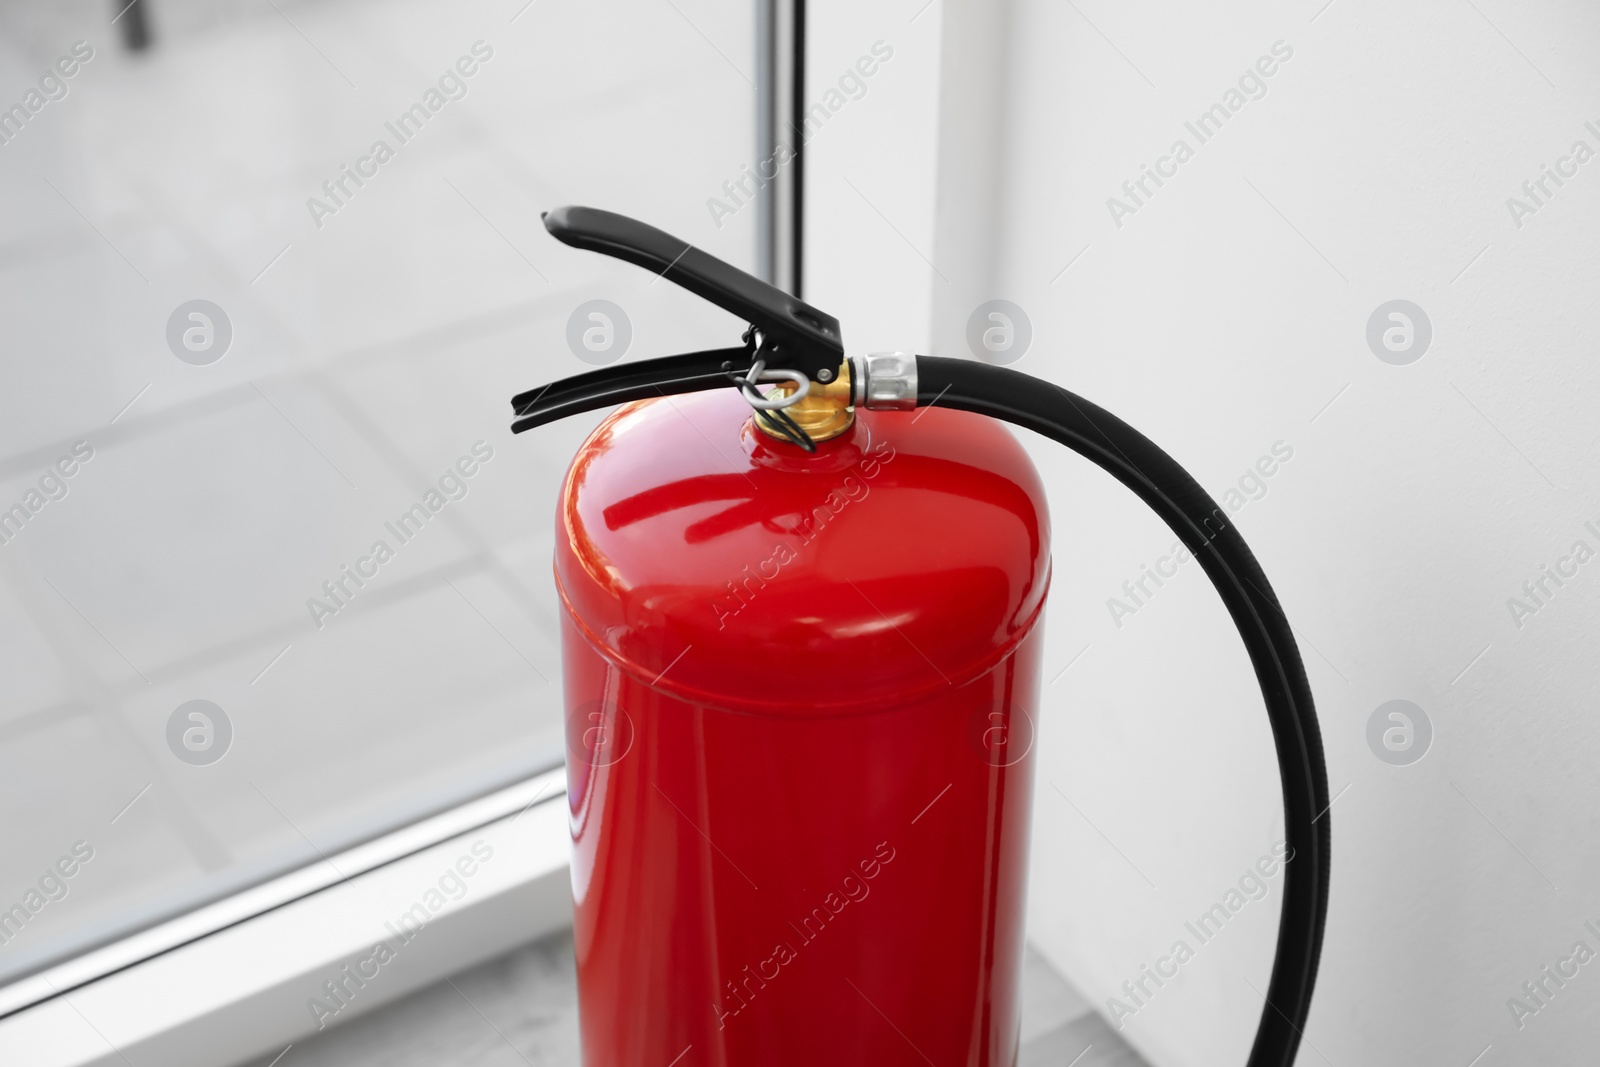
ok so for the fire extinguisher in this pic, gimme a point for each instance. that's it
(801, 649)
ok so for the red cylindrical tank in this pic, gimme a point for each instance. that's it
(800, 696)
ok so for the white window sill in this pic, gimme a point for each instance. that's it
(244, 976)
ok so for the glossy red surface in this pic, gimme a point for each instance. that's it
(799, 695)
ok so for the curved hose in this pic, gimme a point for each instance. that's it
(1203, 527)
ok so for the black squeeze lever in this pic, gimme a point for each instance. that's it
(793, 334)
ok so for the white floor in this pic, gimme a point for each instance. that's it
(522, 1009)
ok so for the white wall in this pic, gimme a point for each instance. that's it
(871, 171)
(1226, 315)
(1223, 317)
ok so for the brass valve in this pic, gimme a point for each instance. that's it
(823, 413)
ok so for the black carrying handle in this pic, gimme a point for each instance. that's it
(611, 386)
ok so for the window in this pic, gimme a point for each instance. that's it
(274, 575)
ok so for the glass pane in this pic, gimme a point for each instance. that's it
(274, 574)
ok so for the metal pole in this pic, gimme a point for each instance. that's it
(780, 125)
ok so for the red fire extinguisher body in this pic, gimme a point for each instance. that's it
(801, 706)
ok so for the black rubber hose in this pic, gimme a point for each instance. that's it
(1204, 528)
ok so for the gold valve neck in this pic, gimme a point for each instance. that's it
(823, 413)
